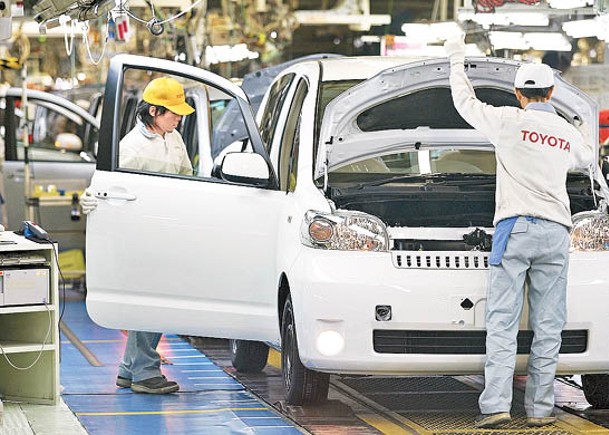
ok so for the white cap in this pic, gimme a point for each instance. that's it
(534, 75)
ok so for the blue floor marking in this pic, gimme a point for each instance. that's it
(209, 402)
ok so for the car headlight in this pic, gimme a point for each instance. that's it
(590, 231)
(344, 231)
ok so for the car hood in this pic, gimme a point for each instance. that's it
(409, 106)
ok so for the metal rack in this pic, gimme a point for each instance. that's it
(29, 334)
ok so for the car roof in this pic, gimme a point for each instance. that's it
(360, 68)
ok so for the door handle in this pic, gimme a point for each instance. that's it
(116, 195)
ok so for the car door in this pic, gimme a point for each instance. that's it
(188, 254)
(61, 138)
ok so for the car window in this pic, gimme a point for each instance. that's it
(91, 134)
(54, 133)
(329, 91)
(288, 153)
(272, 109)
(188, 128)
(184, 148)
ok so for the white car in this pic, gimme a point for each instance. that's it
(352, 229)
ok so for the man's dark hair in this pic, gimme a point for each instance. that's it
(143, 112)
(535, 93)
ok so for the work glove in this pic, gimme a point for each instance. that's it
(455, 48)
(88, 202)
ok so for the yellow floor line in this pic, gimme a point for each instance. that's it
(573, 423)
(175, 412)
(274, 358)
(383, 425)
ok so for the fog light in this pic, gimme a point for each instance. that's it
(383, 313)
(330, 343)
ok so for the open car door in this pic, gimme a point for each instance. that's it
(189, 254)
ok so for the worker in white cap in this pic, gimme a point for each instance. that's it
(534, 149)
(153, 145)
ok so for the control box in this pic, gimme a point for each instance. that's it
(24, 286)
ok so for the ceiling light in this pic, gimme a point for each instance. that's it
(505, 19)
(228, 53)
(570, 4)
(508, 40)
(405, 46)
(597, 27)
(551, 41)
(434, 32)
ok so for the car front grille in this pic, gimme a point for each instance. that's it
(474, 260)
(463, 342)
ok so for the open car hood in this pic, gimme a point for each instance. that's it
(410, 106)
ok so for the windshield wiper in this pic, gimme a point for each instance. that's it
(454, 179)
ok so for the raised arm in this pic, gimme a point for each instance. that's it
(483, 117)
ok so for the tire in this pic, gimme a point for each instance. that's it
(303, 386)
(596, 390)
(248, 356)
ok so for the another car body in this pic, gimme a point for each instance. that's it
(62, 138)
(360, 248)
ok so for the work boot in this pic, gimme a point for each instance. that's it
(540, 421)
(489, 421)
(123, 382)
(157, 385)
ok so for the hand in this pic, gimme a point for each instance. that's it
(455, 48)
(88, 202)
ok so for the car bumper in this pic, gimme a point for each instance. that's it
(339, 292)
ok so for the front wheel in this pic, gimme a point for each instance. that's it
(248, 356)
(596, 390)
(303, 386)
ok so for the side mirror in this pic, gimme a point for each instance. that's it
(68, 142)
(245, 168)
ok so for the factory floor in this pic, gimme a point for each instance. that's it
(214, 399)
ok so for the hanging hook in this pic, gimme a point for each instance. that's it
(155, 26)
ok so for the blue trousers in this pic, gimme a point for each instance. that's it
(537, 253)
(141, 360)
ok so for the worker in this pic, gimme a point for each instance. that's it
(153, 145)
(534, 149)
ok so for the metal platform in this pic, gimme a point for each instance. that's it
(410, 405)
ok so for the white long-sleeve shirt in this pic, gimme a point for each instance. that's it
(143, 150)
(534, 148)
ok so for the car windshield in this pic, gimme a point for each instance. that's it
(408, 164)
(448, 165)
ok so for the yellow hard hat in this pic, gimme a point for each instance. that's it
(169, 93)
